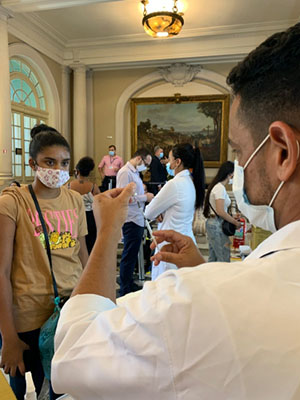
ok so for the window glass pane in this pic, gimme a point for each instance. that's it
(39, 90)
(18, 159)
(22, 95)
(17, 119)
(11, 93)
(18, 170)
(27, 134)
(33, 79)
(16, 65)
(32, 100)
(28, 172)
(26, 87)
(25, 69)
(17, 132)
(18, 143)
(27, 102)
(33, 122)
(42, 103)
(13, 170)
(16, 98)
(26, 158)
(26, 121)
(16, 83)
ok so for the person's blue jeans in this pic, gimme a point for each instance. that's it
(219, 243)
(132, 236)
(33, 364)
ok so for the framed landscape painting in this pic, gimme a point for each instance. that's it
(166, 121)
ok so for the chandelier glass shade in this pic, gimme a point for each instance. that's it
(162, 23)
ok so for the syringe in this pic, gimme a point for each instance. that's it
(146, 221)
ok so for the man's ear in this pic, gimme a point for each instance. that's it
(286, 147)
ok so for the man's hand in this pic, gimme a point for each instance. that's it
(149, 196)
(12, 356)
(180, 251)
(111, 208)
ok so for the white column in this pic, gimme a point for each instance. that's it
(80, 141)
(5, 107)
(65, 103)
(90, 113)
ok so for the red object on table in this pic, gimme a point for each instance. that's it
(239, 235)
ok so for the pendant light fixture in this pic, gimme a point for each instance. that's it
(162, 24)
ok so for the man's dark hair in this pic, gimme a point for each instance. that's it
(112, 145)
(142, 153)
(268, 83)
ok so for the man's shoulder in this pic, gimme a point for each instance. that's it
(124, 169)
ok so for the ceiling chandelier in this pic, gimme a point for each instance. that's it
(162, 23)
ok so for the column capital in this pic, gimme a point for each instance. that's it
(89, 73)
(65, 69)
(5, 14)
(78, 68)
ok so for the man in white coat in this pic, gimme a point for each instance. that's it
(218, 330)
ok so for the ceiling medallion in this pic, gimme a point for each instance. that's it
(162, 24)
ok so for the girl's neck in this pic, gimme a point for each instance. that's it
(82, 179)
(43, 191)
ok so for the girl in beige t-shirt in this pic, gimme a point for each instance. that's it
(26, 289)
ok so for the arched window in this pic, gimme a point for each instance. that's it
(29, 107)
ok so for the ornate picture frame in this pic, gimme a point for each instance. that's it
(166, 121)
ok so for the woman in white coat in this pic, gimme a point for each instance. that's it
(177, 200)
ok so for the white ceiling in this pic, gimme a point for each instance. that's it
(109, 33)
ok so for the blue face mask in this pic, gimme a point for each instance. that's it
(170, 171)
(258, 215)
(111, 153)
(161, 155)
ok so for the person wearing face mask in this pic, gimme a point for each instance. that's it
(109, 167)
(218, 330)
(133, 227)
(216, 206)
(157, 170)
(83, 185)
(26, 289)
(180, 196)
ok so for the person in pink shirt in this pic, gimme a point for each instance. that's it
(109, 167)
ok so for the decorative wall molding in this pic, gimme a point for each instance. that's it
(42, 5)
(49, 84)
(122, 132)
(179, 73)
(200, 46)
(35, 35)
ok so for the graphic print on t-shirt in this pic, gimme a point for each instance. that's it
(60, 227)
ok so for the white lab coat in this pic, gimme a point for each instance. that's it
(176, 201)
(218, 331)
